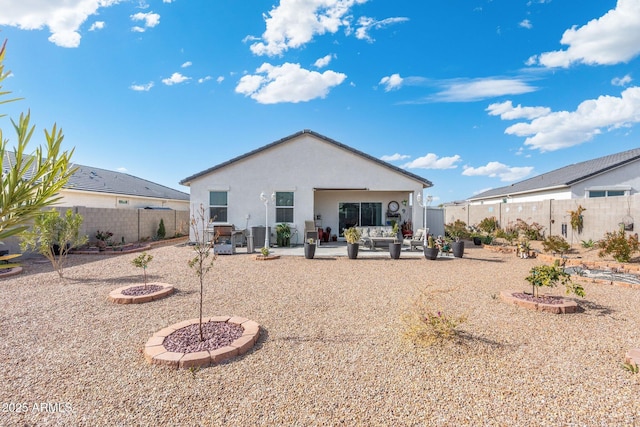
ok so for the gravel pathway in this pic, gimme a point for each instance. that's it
(331, 350)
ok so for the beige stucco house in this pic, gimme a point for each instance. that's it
(312, 177)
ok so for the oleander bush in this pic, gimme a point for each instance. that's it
(618, 245)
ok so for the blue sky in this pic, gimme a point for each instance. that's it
(472, 95)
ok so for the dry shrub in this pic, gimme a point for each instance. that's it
(426, 326)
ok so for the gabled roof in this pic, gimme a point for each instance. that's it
(565, 176)
(87, 178)
(424, 181)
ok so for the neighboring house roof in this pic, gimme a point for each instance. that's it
(424, 181)
(565, 176)
(87, 178)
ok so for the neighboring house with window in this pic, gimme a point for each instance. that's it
(609, 176)
(302, 177)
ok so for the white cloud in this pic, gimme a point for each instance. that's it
(323, 62)
(142, 88)
(564, 129)
(121, 169)
(150, 20)
(186, 64)
(287, 83)
(98, 25)
(392, 82)
(294, 23)
(432, 161)
(175, 78)
(394, 157)
(62, 17)
(204, 79)
(525, 23)
(220, 79)
(622, 81)
(365, 24)
(507, 111)
(610, 39)
(463, 90)
(499, 170)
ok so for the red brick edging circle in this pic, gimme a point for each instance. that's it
(567, 306)
(119, 298)
(155, 352)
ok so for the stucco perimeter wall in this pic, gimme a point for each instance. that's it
(132, 224)
(601, 215)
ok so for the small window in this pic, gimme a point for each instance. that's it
(284, 206)
(606, 193)
(218, 206)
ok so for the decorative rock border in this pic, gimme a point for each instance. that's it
(119, 298)
(155, 352)
(12, 272)
(567, 306)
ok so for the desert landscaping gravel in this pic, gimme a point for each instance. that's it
(331, 350)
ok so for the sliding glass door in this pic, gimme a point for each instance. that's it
(358, 213)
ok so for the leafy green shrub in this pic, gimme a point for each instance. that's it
(555, 244)
(618, 245)
(457, 230)
(510, 235)
(161, 230)
(551, 276)
(488, 225)
(53, 236)
(531, 231)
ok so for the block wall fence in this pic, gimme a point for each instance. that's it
(601, 215)
(132, 224)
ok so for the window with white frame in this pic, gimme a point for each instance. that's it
(284, 206)
(606, 192)
(218, 206)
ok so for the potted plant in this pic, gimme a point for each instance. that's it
(309, 249)
(431, 251)
(457, 230)
(283, 232)
(395, 248)
(352, 235)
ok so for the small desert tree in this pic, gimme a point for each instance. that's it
(142, 261)
(53, 236)
(551, 276)
(204, 250)
(29, 182)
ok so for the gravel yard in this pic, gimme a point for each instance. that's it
(331, 350)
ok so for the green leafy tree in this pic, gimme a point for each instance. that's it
(203, 248)
(29, 182)
(53, 236)
(551, 276)
(142, 261)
